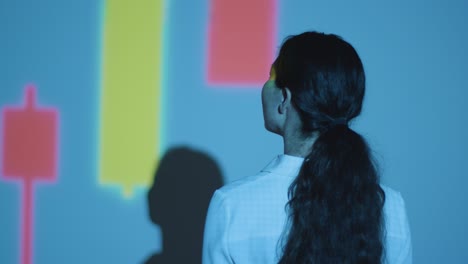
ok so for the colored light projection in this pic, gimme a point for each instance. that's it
(130, 93)
(241, 37)
(30, 147)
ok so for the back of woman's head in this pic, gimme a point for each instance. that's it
(325, 76)
(336, 202)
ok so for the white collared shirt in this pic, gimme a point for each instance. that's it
(246, 218)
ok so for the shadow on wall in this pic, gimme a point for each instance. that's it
(178, 202)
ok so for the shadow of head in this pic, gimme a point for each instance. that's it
(178, 201)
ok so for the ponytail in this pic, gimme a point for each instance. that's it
(335, 203)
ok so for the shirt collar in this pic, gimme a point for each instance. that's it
(285, 165)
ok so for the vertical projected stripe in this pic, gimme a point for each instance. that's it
(29, 146)
(241, 41)
(131, 92)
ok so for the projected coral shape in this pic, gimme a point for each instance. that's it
(130, 93)
(241, 39)
(29, 146)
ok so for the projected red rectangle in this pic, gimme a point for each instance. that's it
(30, 142)
(29, 146)
(241, 41)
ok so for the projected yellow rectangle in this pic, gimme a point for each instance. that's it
(130, 92)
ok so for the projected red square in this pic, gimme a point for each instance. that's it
(241, 41)
(29, 141)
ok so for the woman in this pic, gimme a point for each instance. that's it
(321, 201)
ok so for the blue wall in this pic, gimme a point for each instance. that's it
(414, 53)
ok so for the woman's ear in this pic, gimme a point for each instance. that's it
(286, 100)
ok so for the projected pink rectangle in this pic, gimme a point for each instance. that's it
(241, 41)
(29, 146)
(30, 141)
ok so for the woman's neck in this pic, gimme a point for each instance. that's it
(298, 146)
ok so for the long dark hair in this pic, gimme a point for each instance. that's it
(335, 203)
